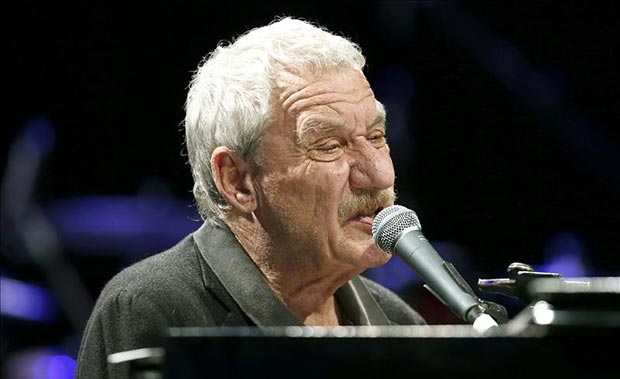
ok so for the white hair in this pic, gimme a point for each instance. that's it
(229, 102)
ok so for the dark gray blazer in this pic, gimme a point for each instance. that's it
(207, 279)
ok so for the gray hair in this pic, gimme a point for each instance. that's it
(229, 102)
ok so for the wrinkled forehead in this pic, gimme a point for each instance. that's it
(323, 99)
(296, 89)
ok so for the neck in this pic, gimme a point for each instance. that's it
(305, 284)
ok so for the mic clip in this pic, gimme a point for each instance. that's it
(520, 275)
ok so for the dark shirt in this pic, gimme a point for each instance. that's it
(207, 279)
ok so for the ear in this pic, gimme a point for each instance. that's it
(232, 177)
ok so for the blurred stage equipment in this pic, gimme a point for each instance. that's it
(444, 351)
(26, 231)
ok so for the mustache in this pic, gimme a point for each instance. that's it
(365, 203)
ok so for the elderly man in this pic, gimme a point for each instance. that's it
(288, 152)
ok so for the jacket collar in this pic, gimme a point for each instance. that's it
(247, 286)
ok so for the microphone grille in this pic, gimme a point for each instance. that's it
(390, 222)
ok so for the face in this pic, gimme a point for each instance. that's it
(326, 169)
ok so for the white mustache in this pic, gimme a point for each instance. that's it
(365, 203)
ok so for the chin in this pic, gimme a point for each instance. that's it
(373, 256)
(360, 250)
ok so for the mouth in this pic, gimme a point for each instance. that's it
(365, 218)
(359, 210)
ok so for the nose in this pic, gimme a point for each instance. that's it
(371, 168)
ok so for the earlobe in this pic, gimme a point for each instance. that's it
(233, 179)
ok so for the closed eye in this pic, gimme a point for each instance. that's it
(377, 139)
(329, 148)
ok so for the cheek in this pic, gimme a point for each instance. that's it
(316, 187)
(332, 179)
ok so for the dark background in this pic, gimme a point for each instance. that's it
(502, 119)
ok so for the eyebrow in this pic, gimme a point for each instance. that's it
(321, 127)
(379, 119)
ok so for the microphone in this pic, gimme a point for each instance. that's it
(397, 230)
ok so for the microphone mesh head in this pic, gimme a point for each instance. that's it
(390, 222)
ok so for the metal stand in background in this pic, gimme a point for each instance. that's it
(520, 275)
(584, 306)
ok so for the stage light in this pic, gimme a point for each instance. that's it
(26, 301)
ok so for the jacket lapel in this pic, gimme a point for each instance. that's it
(241, 278)
(356, 301)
